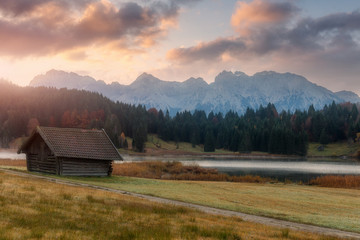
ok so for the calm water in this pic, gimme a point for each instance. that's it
(11, 154)
(292, 169)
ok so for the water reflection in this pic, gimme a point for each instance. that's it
(287, 168)
(292, 169)
(282, 170)
(297, 166)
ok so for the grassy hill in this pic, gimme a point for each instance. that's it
(157, 146)
(38, 209)
(328, 207)
(339, 149)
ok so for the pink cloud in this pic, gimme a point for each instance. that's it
(248, 16)
(46, 27)
(207, 50)
(267, 36)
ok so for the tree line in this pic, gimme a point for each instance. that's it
(263, 129)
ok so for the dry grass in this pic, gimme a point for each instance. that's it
(328, 207)
(12, 163)
(37, 209)
(337, 181)
(178, 171)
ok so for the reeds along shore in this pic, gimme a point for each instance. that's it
(337, 181)
(177, 171)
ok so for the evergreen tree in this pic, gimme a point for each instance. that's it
(235, 141)
(245, 145)
(209, 145)
(324, 137)
(140, 138)
(113, 129)
(221, 138)
(303, 144)
(354, 113)
(133, 144)
(125, 144)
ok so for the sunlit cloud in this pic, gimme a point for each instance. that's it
(272, 34)
(117, 40)
(47, 27)
(76, 56)
(207, 50)
(249, 17)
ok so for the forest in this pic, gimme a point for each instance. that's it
(263, 129)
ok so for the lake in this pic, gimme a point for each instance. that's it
(11, 154)
(281, 169)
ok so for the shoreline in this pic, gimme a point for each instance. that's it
(236, 156)
(216, 155)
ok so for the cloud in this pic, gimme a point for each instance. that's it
(266, 28)
(259, 13)
(209, 51)
(46, 27)
(324, 32)
(23, 7)
(76, 56)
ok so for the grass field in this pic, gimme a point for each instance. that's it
(37, 209)
(334, 149)
(156, 145)
(329, 207)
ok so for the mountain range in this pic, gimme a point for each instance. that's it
(230, 91)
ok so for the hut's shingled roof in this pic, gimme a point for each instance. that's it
(77, 143)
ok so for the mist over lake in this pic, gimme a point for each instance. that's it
(281, 169)
(11, 154)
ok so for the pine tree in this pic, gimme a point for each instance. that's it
(245, 143)
(209, 145)
(324, 137)
(125, 144)
(140, 138)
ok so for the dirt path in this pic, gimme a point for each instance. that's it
(210, 210)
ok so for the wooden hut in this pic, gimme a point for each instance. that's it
(70, 152)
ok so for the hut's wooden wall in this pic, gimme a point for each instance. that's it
(84, 167)
(40, 158)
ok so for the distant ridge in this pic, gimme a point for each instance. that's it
(230, 91)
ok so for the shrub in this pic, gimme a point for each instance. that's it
(337, 181)
(178, 171)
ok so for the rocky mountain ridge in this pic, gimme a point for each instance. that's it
(230, 91)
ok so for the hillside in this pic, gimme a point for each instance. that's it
(229, 92)
(264, 129)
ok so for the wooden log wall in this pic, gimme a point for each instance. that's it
(37, 164)
(84, 167)
(40, 158)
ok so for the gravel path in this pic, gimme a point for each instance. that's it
(210, 210)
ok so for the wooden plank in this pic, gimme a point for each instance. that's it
(44, 164)
(85, 167)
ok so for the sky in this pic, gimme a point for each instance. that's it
(116, 40)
